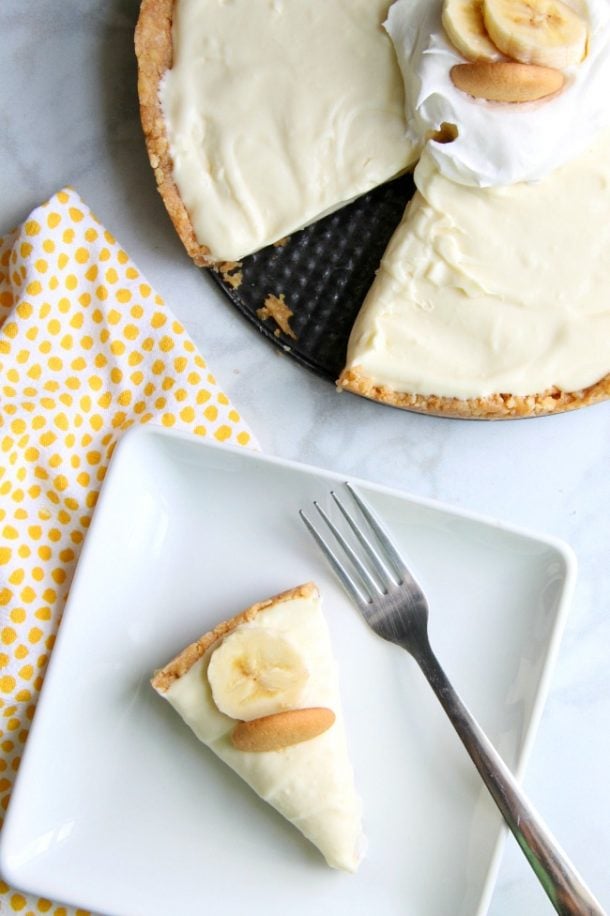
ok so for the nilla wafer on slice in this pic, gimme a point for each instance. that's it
(506, 81)
(283, 729)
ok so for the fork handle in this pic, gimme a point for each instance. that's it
(561, 882)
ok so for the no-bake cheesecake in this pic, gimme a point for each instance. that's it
(492, 298)
(261, 691)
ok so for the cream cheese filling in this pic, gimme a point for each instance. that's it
(311, 784)
(279, 111)
(487, 291)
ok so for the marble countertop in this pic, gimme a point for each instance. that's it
(69, 115)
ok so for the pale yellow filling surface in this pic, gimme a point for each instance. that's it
(494, 290)
(279, 111)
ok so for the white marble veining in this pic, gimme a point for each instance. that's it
(68, 115)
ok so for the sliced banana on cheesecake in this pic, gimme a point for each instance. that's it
(548, 33)
(261, 691)
(464, 24)
(256, 672)
(516, 49)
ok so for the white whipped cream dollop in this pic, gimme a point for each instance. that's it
(497, 144)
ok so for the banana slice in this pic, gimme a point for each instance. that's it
(256, 672)
(544, 32)
(465, 27)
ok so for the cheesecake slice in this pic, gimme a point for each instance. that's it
(261, 116)
(261, 691)
(492, 302)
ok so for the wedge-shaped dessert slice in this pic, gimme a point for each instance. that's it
(261, 691)
(260, 117)
(492, 302)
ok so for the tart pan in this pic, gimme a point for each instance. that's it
(322, 273)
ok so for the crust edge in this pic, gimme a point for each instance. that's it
(492, 407)
(153, 47)
(184, 661)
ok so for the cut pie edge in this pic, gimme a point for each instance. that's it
(490, 407)
(153, 45)
(184, 661)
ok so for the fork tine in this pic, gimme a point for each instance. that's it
(367, 580)
(386, 574)
(382, 536)
(346, 580)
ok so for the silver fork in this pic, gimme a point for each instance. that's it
(394, 606)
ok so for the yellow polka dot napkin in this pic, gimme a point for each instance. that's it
(87, 349)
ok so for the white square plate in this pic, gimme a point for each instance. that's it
(118, 808)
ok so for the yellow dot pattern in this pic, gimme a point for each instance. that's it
(87, 349)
